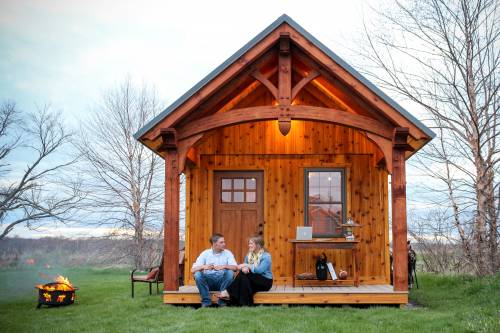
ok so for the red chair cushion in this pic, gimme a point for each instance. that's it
(151, 275)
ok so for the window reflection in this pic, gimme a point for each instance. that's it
(325, 207)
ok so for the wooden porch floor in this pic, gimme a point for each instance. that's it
(283, 294)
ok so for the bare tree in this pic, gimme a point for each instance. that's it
(38, 193)
(443, 56)
(122, 176)
(436, 240)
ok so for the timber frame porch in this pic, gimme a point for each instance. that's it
(286, 294)
(239, 119)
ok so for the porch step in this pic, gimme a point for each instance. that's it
(282, 294)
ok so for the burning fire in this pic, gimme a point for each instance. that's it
(60, 283)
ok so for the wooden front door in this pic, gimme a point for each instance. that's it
(238, 208)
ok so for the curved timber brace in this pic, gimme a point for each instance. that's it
(182, 149)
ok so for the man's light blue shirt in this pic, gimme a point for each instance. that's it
(209, 257)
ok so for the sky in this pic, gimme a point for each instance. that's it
(68, 53)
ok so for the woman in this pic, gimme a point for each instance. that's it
(255, 275)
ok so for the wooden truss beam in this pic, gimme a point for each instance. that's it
(302, 112)
(284, 71)
(284, 82)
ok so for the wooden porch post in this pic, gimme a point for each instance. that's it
(399, 225)
(171, 222)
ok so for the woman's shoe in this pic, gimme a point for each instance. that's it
(223, 295)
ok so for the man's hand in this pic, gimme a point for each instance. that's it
(245, 270)
(207, 267)
(219, 267)
(201, 268)
(240, 266)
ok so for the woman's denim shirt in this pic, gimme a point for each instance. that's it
(264, 267)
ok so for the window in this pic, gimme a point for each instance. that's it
(325, 201)
(238, 190)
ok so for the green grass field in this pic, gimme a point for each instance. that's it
(448, 304)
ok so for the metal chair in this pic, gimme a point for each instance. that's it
(155, 275)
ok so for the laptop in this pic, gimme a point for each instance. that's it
(304, 233)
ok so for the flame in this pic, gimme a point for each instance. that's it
(61, 298)
(62, 279)
(61, 284)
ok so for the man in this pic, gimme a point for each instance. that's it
(213, 270)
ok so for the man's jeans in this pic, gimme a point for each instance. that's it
(212, 282)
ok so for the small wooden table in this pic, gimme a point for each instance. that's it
(327, 243)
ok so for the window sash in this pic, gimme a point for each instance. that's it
(332, 229)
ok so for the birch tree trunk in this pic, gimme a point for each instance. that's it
(443, 57)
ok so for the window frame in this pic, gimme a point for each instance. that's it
(343, 200)
(232, 190)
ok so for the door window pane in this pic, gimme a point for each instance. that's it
(238, 184)
(239, 190)
(226, 184)
(226, 196)
(251, 183)
(250, 197)
(238, 196)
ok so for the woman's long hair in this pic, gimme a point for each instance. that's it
(258, 240)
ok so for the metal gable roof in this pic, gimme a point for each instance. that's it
(283, 19)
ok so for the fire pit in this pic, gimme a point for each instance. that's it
(59, 292)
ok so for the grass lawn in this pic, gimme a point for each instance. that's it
(103, 304)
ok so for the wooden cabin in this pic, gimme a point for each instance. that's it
(285, 134)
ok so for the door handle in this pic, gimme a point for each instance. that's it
(261, 225)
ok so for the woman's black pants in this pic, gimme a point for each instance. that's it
(244, 286)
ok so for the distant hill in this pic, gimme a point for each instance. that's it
(58, 251)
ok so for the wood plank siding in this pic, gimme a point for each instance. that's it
(282, 159)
